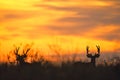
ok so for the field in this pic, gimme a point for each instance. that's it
(44, 70)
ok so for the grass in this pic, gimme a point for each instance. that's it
(46, 70)
(67, 71)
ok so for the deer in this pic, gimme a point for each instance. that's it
(21, 58)
(93, 57)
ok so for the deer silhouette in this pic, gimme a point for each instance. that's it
(21, 58)
(93, 57)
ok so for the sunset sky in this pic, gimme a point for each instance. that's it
(70, 24)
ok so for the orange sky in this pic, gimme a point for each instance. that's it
(71, 24)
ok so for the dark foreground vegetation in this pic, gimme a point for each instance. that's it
(67, 71)
(44, 70)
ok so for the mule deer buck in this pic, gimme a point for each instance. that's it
(93, 57)
(21, 58)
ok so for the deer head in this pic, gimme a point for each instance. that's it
(96, 55)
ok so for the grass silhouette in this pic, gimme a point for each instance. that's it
(46, 70)
(67, 71)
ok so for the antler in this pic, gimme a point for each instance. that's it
(25, 52)
(87, 49)
(16, 50)
(88, 54)
(98, 49)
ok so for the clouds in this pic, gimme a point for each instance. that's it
(10, 15)
(79, 22)
(62, 17)
(113, 35)
(11, 36)
(92, 18)
(105, 15)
